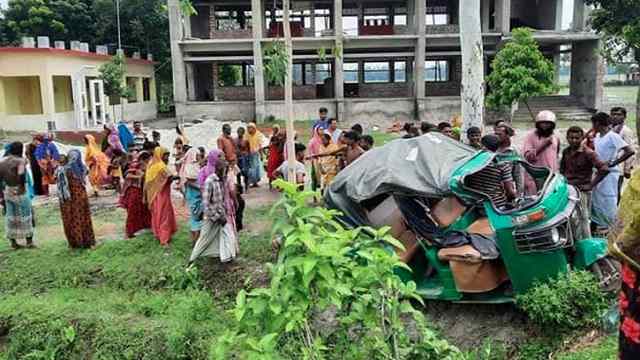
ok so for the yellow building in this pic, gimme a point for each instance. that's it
(43, 88)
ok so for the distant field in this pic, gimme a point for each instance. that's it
(616, 96)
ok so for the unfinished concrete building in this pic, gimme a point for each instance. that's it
(395, 59)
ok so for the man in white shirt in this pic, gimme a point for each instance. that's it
(618, 118)
(334, 131)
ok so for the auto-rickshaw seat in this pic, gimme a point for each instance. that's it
(482, 227)
(447, 211)
(465, 253)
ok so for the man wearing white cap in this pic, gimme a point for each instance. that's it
(541, 147)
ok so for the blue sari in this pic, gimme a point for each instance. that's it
(194, 202)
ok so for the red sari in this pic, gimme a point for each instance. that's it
(138, 215)
(276, 156)
(163, 219)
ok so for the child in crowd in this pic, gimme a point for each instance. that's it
(300, 169)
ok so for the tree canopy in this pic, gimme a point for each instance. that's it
(144, 25)
(519, 71)
(619, 24)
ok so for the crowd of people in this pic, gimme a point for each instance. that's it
(145, 174)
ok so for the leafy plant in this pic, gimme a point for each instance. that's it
(571, 301)
(187, 8)
(520, 71)
(229, 75)
(112, 74)
(333, 293)
(275, 62)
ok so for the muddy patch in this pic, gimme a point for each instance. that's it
(469, 326)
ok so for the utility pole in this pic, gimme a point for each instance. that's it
(472, 94)
(118, 22)
(288, 95)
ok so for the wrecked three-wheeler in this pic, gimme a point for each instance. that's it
(460, 246)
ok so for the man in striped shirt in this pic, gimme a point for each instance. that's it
(495, 180)
(139, 137)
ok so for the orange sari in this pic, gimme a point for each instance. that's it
(97, 162)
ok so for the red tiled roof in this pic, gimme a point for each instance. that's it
(76, 53)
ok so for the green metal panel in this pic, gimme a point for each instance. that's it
(588, 251)
(442, 286)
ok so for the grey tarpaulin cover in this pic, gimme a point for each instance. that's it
(419, 166)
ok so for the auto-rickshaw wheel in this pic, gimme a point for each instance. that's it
(607, 270)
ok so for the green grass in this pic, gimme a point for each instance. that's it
(605, 349)
(127, 299)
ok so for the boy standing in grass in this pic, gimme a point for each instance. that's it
(577, 165)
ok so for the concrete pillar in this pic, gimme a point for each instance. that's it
(84, 47)
(419, 58)
(75, 45)
(338, 69)
(191, 82)
(587, 73)
(102, 50)
(411, 16)
(556, 65)
(60, 45)
(559, 14)
(186, 22)
(503, 16)
(177, 62)
(485, 15)
(580, 15)
(257, 15)
(48, 99)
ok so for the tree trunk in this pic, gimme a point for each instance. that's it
(472, 92)
(288, 95)
(526, 103)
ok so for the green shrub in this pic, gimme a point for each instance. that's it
(333, 294)
(572, 301)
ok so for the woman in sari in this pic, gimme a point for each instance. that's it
(276, 155)
(48, 157)
(138, 215)
(157, 195)
(189, 182)
(626, 236)
(255, 139)
(74, 203)
(218, 237)
(315, 144)
(98, 164)
(126, 137)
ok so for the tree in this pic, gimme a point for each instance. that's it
(520, 72)
(112, 74)
(58, 19)
(229, 75)
(618, 22)
(472, 65)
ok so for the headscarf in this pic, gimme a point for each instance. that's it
(93, 152)
(255, 140)
(155, 175)
(76, 168)
(46, 148)
(316, 141)
(114, 138)
(212, 162)
(126, 137)
(190, 168)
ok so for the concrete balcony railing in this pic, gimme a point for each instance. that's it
(443, 29)
(232, 34)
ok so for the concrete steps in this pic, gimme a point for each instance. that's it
(566, 108)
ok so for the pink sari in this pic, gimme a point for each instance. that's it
(163, 220)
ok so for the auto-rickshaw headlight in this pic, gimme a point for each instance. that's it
(555, 235)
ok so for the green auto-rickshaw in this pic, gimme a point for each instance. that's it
(459, 245)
